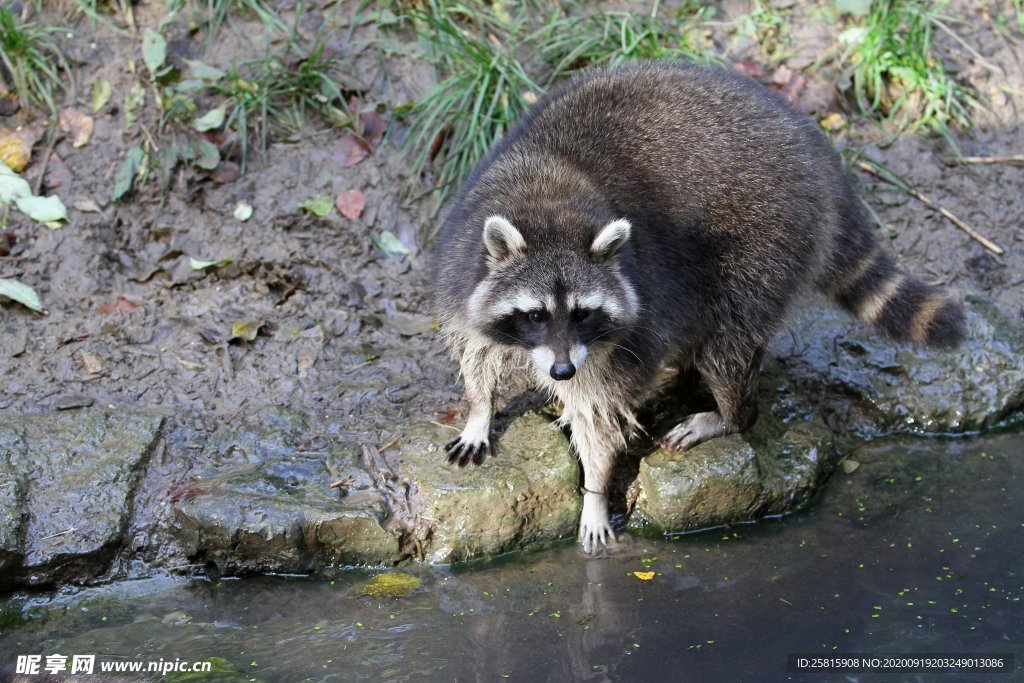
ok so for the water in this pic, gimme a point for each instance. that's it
(919, 550)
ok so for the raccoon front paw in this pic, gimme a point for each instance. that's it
(694, 430)
(595, 527)
(462, 451)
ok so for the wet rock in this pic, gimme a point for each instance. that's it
(736, 478)
(900, 387)
(67, 490)
(264, 504)
(526, 494)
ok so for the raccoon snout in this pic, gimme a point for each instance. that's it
(562, 371)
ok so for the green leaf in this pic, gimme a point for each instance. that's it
(857, 8)
(154, 50)
(204, 265)
(43, 209)
(211, 119)
(12, 185)
(126, 176)
(319, 205)
(209, 155)
(134, 99)
(204, 72)
(390, 245)
(101, 92)
(23, 294)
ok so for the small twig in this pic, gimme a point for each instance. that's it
(344, 481)
(60, 533)
(971, 232)
(390, 443)
(53, 137)
(1014, 159)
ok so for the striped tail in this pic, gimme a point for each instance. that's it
(868, 284)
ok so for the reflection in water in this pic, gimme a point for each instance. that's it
(919, 550)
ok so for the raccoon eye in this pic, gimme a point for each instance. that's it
(535, 317)
(581, 314)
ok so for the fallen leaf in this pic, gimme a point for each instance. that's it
(245, 329)
(204, 72)
(12, 185)
(211, 119)
(91, 362)
(23, 294)
(7, 241)
(209, 155)
(447, 417)
(351, 204)
(833, 122)
(16, 148)
(390, 245)
(86, 205)
(78, 125)
(203, 265)
(850, 466)
(350, 151)
(319, 205)
(57, 173)
(47, 210)
(243, 211)
(226, 172)
(9, 105)
(644, 576)
(373, 126)
(101, 92)
(154, 50)
(120, 304)
(126, 175)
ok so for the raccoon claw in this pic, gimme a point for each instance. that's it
(461, 451)
(595, 528)
(694, 430)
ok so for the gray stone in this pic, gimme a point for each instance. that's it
(526, 494)
(901, 387)
(265, 504)
(69, 485)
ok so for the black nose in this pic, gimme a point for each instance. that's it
(562, 371)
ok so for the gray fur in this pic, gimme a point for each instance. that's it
(733, 203)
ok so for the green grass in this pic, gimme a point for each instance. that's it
(32, 63)
(494, 65)
(212, 15)
(487, 88)
(275, 94)
(898, 70)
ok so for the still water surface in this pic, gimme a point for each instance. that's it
(919, 550)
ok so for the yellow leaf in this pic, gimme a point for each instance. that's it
(833, 122)
(15, 148)
(644, 576)
(78, 125)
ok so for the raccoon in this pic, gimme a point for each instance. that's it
(650, 215)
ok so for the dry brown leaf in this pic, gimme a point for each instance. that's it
(121, 304)
(373, 126)
(351, 204)
(350, 151)
(16, 148)
(78, 125)
(226, 172)
(92, 363)
(57, 173)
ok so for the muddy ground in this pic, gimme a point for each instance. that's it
(345, 330)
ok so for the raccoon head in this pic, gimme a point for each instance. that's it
(557, 297)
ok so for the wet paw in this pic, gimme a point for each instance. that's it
(462, 451)
(595, 527)
(695, 429)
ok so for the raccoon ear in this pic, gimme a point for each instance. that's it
(502, 239)
(610, 239)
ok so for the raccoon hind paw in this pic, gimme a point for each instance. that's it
(695, 429)
(462, 451)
